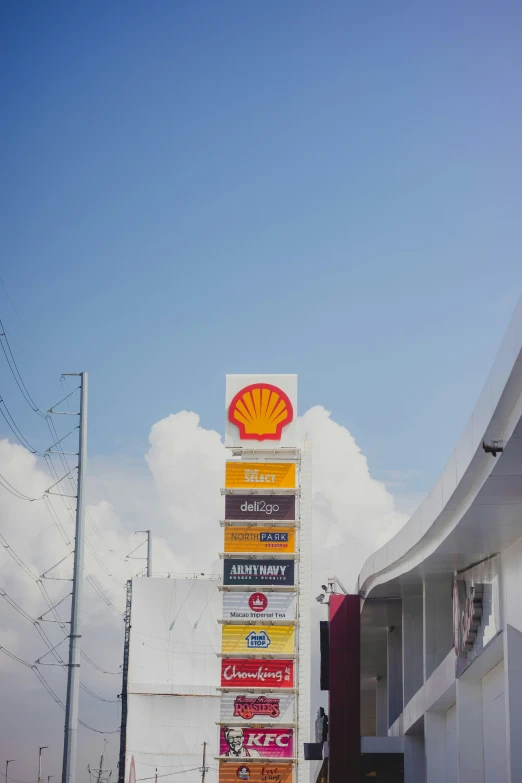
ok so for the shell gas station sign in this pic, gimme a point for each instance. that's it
(258, 741)
(252, 639)
(260, 539)
(260, 475)
(261, 408)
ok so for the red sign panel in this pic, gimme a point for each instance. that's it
(239, 672)
(238, 742)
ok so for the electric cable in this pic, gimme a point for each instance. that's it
(16, 375)
(16, 492)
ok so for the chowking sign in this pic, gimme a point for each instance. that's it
(256, 673)
(258, 707)
(261, 408)
(258, 572)
(254, 773)
(260, 539)
(277, 507)
(258, 606)
(241, 742)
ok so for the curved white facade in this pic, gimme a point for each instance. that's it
(457, 560)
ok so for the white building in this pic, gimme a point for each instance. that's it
(173, 674)
(452, 578)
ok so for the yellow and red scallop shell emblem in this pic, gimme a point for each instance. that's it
(260, 411)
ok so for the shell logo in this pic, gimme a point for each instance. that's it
(260, 411)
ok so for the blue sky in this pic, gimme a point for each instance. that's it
(191, 189)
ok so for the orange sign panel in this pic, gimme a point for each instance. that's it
(260, 475)
(260, 411)
(247, 770)
(259, 539)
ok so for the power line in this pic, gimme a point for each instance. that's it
(36, 579)
(16, 492)
(16, 374)
(49, 689)
(48, 644)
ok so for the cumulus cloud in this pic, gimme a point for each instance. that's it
(179, 499)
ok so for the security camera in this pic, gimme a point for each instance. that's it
(324, 587)
(320, 598)
(493, 446)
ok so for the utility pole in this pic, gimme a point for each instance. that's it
(149, 553)
(204, 769)
(149, 550)
(42, 747)
(156, 776)
(73, 674)
(9, 761)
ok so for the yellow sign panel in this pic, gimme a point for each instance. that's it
(258, 639)
(260, 475)
(246, 769)
(260, 539)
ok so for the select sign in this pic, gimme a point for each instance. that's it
(258, 572)
(259, 606)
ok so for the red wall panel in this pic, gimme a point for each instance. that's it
(344, 694)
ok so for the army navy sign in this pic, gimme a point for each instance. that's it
(259, 606)
(258, 572)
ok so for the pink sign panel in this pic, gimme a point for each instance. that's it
(241, 742)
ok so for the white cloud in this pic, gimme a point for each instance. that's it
(181, 502)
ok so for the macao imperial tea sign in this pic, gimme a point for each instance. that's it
(258, 605)
(277, 507)
(258, 572)
(261, 408)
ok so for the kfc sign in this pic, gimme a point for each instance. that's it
(238, 672)
(238, 742)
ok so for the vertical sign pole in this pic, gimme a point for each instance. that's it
(149, 553)
(304, 598)
(73, 674)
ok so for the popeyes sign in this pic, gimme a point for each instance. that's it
(261, 408)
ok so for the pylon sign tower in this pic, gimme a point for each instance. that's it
(265, 651)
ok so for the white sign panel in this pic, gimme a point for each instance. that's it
(258, 606)
(257, 707)
(261, 411)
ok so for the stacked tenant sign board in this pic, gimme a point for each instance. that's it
(260, 625)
